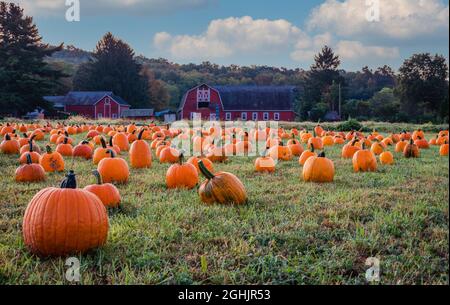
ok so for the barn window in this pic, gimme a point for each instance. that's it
(276, 116)
(114, 116)
(228, 116)
(255, 116)
(99, 115)
(244, 116)
(203, 98)
(266, 116)
(107, 101)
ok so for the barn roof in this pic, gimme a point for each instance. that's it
(87, 98)
(271, 98)
(57, 101)
(130, 113)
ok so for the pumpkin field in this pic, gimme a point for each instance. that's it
(377, 193)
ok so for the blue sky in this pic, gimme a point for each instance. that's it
(278, 33)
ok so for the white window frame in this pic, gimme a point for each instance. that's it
(255, 116)
(194, 114)
(212, 117)
(266, 116)
(100, 115)
(244, 116)
(228, 116)
(114, 116)
(276, 116)
(107, 101)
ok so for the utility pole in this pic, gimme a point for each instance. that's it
(340, 101)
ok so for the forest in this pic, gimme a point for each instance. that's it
(417, 92)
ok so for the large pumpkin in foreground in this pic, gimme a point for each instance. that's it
(64, 221)
(221, 187)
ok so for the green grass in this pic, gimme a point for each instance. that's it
(291, 232)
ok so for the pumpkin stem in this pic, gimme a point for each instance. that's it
(30, 144)
(204, 170)
(111, 142)
(98, 176)
(70, 182)
(48, 149)
(85, 142)
(102, 140)
(322, 154)
(29, 161)
(66, 139)
(312, 147)
(111, 152)
(140, 134)
(7, 137)
(181, 158)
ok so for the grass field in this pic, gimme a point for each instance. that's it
(290, 232)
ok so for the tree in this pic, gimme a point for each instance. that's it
(114, 69)
(159, 96)
(318, 86)
(385, 105)
(25, 77)
(423, 87)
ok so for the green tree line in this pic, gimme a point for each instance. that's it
(30, 69)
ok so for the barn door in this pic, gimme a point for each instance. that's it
(107, 110)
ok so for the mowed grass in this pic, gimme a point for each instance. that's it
(290, 232)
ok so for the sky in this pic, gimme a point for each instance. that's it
(281, 33)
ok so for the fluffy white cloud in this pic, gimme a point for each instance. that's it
(246, 36)
(99, 7)
(226, 37)
(398, 19)
(355, 50)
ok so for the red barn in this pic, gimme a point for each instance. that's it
(98, 104)
(227, 103)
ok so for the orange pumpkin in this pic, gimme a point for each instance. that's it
(280, 152)
(364, 160)
(194, 161)
(140, 153)
(30, 172)
(113, 169)
(295, 147)
(120, 140)
(52, 161)
(265, 164)
(101, 152)
(83, 150)
(83, 224)
(107, 192)
(377, 148)
(422, 143)
(169, 155)
(411, 150)
(181, 175)
(318, 169)
(65, 149)
(443, 150)
(349, 150)
(222, 187)
(306, 155)
(400, 146)
(386, 158)
(9, 146)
